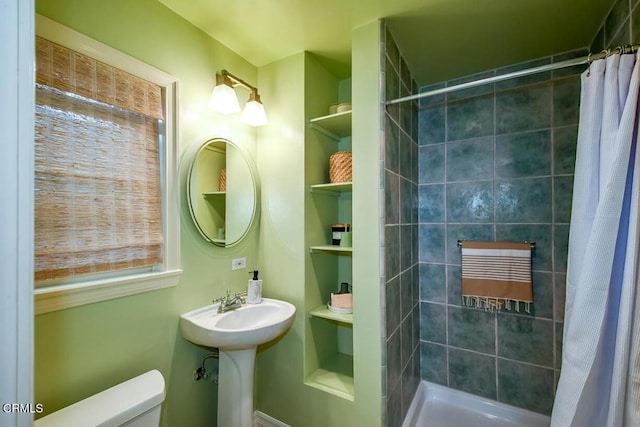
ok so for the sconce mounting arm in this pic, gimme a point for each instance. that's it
(236, 81)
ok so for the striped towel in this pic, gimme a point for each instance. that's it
(496, 275)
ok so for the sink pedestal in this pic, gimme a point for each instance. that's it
(237, 334)
(235, 387)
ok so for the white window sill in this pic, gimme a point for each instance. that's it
(66, 296)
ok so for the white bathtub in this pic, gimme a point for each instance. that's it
(438, 406)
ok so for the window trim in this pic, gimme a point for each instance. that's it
(58, 297)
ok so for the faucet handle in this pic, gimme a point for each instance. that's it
(240, 297)
(222, 299)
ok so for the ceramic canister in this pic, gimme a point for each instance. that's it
(337, 230)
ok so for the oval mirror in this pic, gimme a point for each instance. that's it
(222, 192)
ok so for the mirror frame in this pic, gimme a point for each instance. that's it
(255, 184)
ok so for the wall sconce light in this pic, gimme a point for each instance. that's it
(224, 99)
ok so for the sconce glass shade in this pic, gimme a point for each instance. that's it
(253, 113)
(224, 99)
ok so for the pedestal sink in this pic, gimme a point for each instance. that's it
(237, 334)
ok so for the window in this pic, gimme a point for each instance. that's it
(106, 221)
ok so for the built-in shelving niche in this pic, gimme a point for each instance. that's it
(329, 338)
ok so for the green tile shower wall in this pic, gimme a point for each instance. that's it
(496, 163)
(621, 26)
(401, 363)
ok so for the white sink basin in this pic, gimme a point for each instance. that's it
(242, 328)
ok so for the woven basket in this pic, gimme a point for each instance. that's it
(223, 180)
(340, 167)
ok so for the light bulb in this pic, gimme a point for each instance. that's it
(223, 99)
(253, 113)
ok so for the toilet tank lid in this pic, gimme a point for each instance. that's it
(113, 406)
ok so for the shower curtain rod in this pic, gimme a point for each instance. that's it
(549, 67)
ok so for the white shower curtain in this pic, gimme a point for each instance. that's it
(599, 383)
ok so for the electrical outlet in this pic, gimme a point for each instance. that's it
(238, 263)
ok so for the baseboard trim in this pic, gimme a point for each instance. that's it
(260, 419)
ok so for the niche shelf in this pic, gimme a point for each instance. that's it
(214, 194)
(334, 376)
(324, 313)
(335, 126)
(335, 188)
(331, 248)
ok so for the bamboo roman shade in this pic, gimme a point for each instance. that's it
(97, 167)
(70, 71)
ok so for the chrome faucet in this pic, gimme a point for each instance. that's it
(228, 302)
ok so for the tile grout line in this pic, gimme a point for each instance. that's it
(535, 365)
(446, 227)
(553, 228)
(495, 213)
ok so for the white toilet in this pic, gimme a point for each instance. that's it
(133, 403)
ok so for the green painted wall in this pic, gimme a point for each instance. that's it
(83, 350)
(367, 319)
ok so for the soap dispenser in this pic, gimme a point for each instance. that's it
(254, 289)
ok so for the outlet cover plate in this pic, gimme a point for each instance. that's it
(238, 263)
